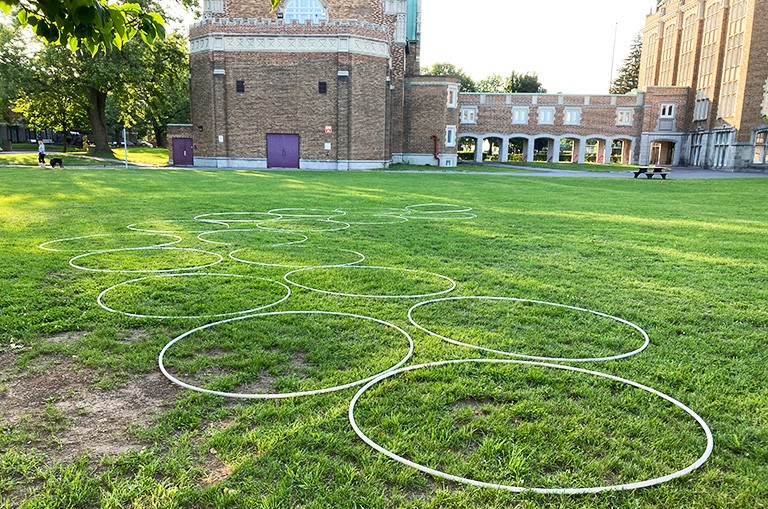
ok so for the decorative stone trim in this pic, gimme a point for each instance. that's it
(290, 44)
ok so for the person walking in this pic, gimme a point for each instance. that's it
(41, 153)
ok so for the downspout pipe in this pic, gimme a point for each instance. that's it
(434, 150)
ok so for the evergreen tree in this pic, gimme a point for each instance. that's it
(629, 73)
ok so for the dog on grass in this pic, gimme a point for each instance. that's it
(57, 161)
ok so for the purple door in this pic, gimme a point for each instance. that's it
(182, 152)
(282, 151)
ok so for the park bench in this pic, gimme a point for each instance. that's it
(650, 171)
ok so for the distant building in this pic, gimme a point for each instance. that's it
(715, 53)
(335, 84)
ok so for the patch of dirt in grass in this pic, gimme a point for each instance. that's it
(136, 336)
(88, 419)
(66, 337)
(215, 470)
(264, 385)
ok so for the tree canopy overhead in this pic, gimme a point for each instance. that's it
(93, 24)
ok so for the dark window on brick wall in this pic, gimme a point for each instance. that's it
(322, 87)
(240, 86)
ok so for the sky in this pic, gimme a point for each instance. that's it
(568, 44)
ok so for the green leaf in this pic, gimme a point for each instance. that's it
(74, 43)
(6, 7)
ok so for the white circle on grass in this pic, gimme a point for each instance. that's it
(448, 208)
(193, 274)
(369, 267)
(308, 213)
(235, 230)
(361, 259)
(288, 394)
(646, 338)
(45, 245)
(344, 226)
(145, 271)
(135, 226)
(209, 218)
(520, 489)
(441, 216)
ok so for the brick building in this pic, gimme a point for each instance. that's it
(335, 84)
(716, 52)
(316, 84)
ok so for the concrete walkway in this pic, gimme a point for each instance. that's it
(676, 173)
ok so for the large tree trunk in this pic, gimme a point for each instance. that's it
(97, 113)
(161, 135)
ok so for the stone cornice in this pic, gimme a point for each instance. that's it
(336, 43)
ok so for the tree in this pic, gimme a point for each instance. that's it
(527, 83)
(446, 69)
(53, 100)
(94, 24)
(15, 69)
(491, 84)
(629, 74)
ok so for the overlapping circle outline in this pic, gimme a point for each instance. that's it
(345, 226)
(264, 264)
(134, 227)
(235, 230)
(306, 212)
(520, 489)
(100, 301)
(365, 267)
(282, 395)
(203, 218)
(457, 210)
(44, 245)
(643, 333)
(145, 271)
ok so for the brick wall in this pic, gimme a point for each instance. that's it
(428, 113)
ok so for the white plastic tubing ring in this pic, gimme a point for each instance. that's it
(45, 245)
(368, 267)
(93, 253)
(520, 489)
(236, 230)
(207, 218)
(135, 226)
(360, 259)
(290, 394)
(194, 274)
(646, 339)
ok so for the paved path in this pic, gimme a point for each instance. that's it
(676, 173)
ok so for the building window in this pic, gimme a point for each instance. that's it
(450, 136)
(686, 52)
(697, 149)
(453, 97)
(240, 86)
(722, 143)
(624, 117)
(305, 10)
(667, 111)
(213, 6)
(650, 63)
(520, 115)
(765, 100)
(709, 51)
(761, 147)
(701, 109)
(733, 56)
(546, 115)
(572, 116)
(322, 87)
(667, 55)
(469, 115)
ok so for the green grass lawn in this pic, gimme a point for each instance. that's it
(86, 420)
(593, 167)
(136, 155)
